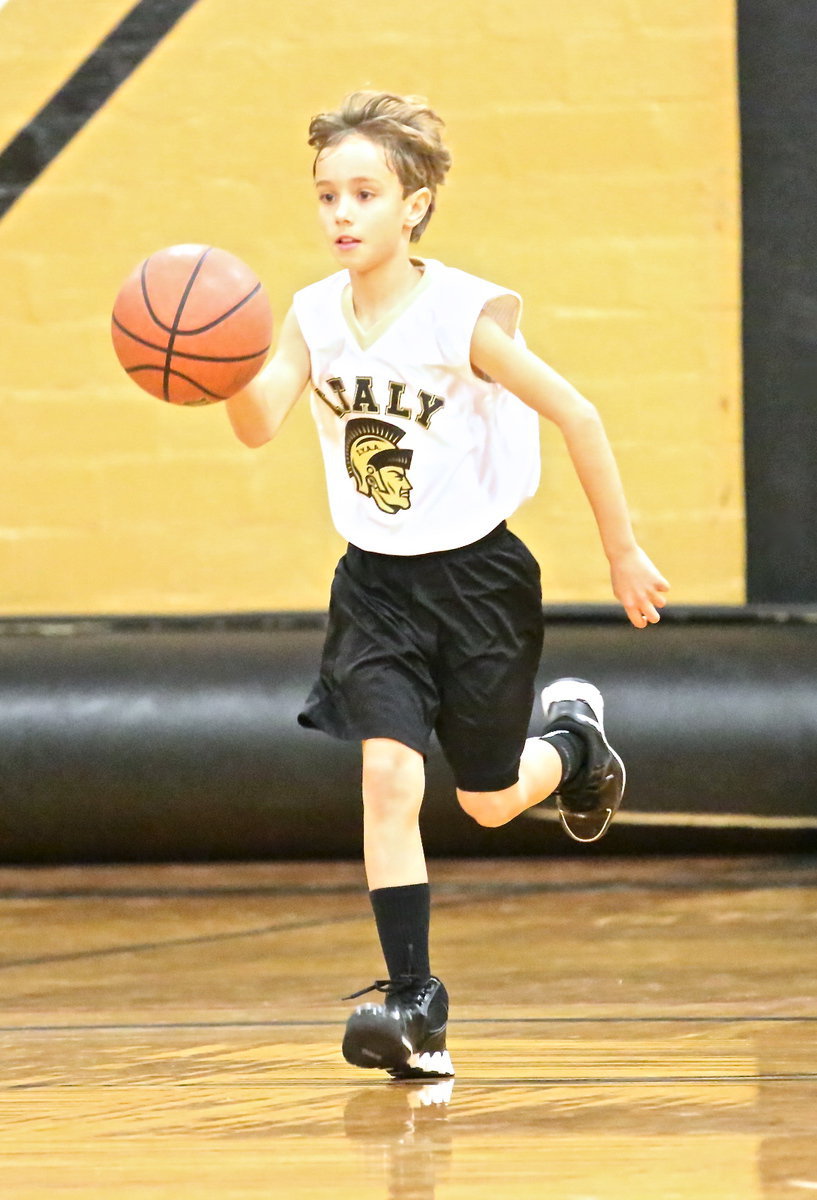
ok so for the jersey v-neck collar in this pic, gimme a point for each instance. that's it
(366, 338)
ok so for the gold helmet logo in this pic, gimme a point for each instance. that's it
(378, 467)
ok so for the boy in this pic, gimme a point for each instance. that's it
(427, 405)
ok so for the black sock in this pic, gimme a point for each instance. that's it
(571, 750)
(402, 917)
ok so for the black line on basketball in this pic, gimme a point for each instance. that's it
(187, 289)
(178, 375)
(210, 358)
(224, 315)
(143, 278)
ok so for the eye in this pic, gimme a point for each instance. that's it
(326, 197)
(363, 194)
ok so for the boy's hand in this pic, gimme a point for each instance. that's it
(639, 586)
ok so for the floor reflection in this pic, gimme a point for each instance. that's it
(406, 1135)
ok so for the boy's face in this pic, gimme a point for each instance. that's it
(363, 212)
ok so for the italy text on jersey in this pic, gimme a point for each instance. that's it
(374, 460)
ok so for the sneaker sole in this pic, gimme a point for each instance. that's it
(433, 1064)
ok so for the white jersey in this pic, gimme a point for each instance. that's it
(421, 454)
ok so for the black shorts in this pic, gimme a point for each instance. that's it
(448, 642)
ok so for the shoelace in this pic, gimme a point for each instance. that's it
(402, 983)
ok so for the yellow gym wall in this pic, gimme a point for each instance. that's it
(596, 172)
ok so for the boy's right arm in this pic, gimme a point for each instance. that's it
(257, 412)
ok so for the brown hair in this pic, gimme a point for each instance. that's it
(407, 129)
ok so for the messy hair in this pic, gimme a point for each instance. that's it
(407, 129)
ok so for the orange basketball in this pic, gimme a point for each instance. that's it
(191, 324)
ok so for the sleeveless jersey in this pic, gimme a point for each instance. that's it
(421, 454)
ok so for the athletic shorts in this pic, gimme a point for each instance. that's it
(448, 642)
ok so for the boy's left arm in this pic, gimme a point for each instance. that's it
(637, 583)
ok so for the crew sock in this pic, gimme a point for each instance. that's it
(402, 918)
(571, 750)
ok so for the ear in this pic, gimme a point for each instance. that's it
(417, 206)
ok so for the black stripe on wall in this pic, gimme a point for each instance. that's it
(778, 85)
(125, 47)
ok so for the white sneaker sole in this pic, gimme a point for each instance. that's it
(436, 1063)
(574, 689)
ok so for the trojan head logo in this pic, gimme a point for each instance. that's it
(377, 466)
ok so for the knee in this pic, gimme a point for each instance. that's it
(393, 781)
(486, 808)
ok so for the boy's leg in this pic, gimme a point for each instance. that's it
(406, 1034)
(393, 787)
(540, 773)
(572, 759)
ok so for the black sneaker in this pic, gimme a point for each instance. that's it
(588, 803)
(406, 1035)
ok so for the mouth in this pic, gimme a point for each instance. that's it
(345, 242)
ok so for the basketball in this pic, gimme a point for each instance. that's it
(191, 324)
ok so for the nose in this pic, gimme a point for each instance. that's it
(342, 209)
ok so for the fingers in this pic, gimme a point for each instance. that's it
(641, 589)
(642, 615)
(643, 610)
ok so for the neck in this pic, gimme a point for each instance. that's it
(376, 292)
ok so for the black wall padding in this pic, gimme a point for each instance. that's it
(778, 82)
(166, 741)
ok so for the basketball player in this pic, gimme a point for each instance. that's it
(427, 406)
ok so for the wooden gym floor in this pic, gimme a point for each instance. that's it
(621, 1029)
